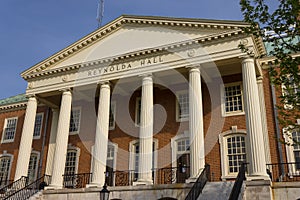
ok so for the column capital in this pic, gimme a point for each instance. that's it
(66, 90)
(193, 67)
(246, 59)
(259, 79)
(28, 96)
(146, 75)
(103, 83)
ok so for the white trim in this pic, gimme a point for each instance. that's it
(114, 167)
(287, 135)
(37, 163)
(78, 129)
(4, 127)
(113, 108)
(77, 149)
(178, 119)
(132, 155)
(5, 154)
(184, 135)
(223, 148)
(42, 121)
(233, 113)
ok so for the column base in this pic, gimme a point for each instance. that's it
(258, 189)
(142, 182)
(94, 185)
(258, 178)
(54, 187)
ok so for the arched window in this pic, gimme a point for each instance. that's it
(33, 166)
(233, 152)
(5, 166)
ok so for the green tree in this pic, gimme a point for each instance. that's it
(279, 28)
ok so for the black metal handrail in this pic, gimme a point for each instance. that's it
(236, 189)
(14, 186)
(284, 172)
(76, 180)
(30, 189)
(121, 178)
(199, 184)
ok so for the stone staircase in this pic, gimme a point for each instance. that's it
(37, 196)
(216, 191)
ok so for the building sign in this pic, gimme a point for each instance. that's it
(124, 66)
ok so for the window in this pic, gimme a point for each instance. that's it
(10, 126)
(236, 152)
(33, 166)
(292, 139)
(182, 109)
(5, 164)
(111, 163)
(138, 109)
(134, 148)
(233, 99)
(75, 120)
(181, 157)
(71, 162)
(112, 115)
(38, 126)
(233, 152)
(290, 92)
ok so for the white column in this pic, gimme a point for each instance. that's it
(146, 132)
(26, 139)
(52, 140)
(256, 154)
(264, 119)
(101, 138)
(197, 155)
(61, 141)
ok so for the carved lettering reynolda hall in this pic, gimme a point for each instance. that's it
(124, 66)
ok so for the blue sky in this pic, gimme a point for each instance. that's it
(33, 30)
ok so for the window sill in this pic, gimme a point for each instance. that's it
(182, 119)
(7, 141)
(74, 133)
(233, 114)
(36, 137)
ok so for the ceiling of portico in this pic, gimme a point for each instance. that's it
(133, 33)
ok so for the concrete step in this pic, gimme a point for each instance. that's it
(216, 191)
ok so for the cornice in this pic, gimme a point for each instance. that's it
(227, 26)
(183, 44)
(15, 106)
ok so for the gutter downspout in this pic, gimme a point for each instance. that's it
(277, 130)
(43, 144)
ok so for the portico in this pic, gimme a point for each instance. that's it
(94, 65)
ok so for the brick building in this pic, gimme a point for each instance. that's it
(145, 104)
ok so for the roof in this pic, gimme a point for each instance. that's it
(14, 99)
(114, 25)
(270, 45)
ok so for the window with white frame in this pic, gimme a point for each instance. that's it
(233, 152)
(233, 99)
(33, 167)
(292, 139)
(181, 156)
(10, 126)
(138, 110)
(291, 91)
(5, 164)
(110, 163)
(38, 125)
(134, 157)
(71, 162)
(75, 120)
(112, 115)
(182, 110)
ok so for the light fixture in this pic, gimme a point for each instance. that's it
(104, 193)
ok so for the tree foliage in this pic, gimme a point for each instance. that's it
(279, 28)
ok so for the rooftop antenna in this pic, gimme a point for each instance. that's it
(100, 12)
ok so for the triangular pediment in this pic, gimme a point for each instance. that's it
(133, 33)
